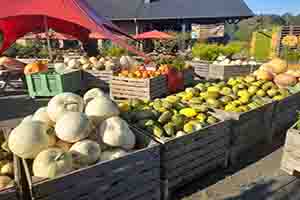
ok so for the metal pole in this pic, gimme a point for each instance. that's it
(47, 37)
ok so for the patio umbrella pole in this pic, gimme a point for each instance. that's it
(47, 37)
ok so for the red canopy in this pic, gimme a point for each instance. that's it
(73, 17)
(52, 35)
(154, 35)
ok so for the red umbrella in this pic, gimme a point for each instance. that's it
(100, 36)
(154, 35)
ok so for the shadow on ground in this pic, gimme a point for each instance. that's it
(249, 158)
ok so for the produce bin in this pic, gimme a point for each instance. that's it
(50, 83)
(201, 69)
(135, 176)
(97, 79)
(248, 129)
(224, 72)
(285, 114)
(290, 162)
(132, 88)
(183, 159)
(15, 192)
(188, 77)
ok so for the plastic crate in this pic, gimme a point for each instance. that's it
(50, 83)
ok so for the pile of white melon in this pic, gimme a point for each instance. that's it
(72, 133)
(86, 63)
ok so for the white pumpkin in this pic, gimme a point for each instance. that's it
(28, 139)
(102, 60)
(85, 153)
(27, 118)
(93, 60)
(83, 60)
(124, 62)
(91, 94)
(74, 64)
(51, 163)
(87, 66)
(60, 67)
(5, 182)
(115, 132)
(112, 154)
(42, 115)
(62, 103)
(73, 127)
(101, 108)
(7, 169)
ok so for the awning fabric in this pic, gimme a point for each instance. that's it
(73, 17)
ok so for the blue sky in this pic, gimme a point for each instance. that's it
(274, 6)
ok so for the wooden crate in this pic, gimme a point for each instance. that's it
(248, 129)
(225, 72)
(97, 79)
(290, 162)
(17, 192)
(135, 176)
(130, 88)
(188, 77)
(285, 114)
(201, 69)
(186, 158)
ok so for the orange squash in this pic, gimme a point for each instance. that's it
(35, 68)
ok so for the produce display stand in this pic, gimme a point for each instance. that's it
(201, 69)
(50, 83)
(285, 113)
(18, 191)
(224, 72)
(290, 162)
(248, 129)
(145, 89)
(188, 77)
(186, 158)
(135, 176)
(99, 79)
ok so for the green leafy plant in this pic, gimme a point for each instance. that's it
(114, 51)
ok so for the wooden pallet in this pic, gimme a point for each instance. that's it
(17, 191)
(97, 79)
(201, 69)
(225, 72)
(130, 88)
(248, 129)
(290, 162)
(285, 114)
(135, 176)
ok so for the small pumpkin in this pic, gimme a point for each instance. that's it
(85, 153)
(51, 163)
(35, 67)
(42, 115)
(73, 127)
(28, 139)
(91, 94)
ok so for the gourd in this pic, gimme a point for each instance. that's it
(101, 108)
(91, 94)
(116, 133)
(51, 163)
(74, 64)
(84, 60)
(35, 68)
(5, 182)
(73, 127)
(62, 103)
(112, 154)
(7, 169)
(60, 68)
(87, 66)
(28, 139)
(42, 115)
(93, 60)
(85, 153)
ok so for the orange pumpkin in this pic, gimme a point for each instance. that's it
(35, 68)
